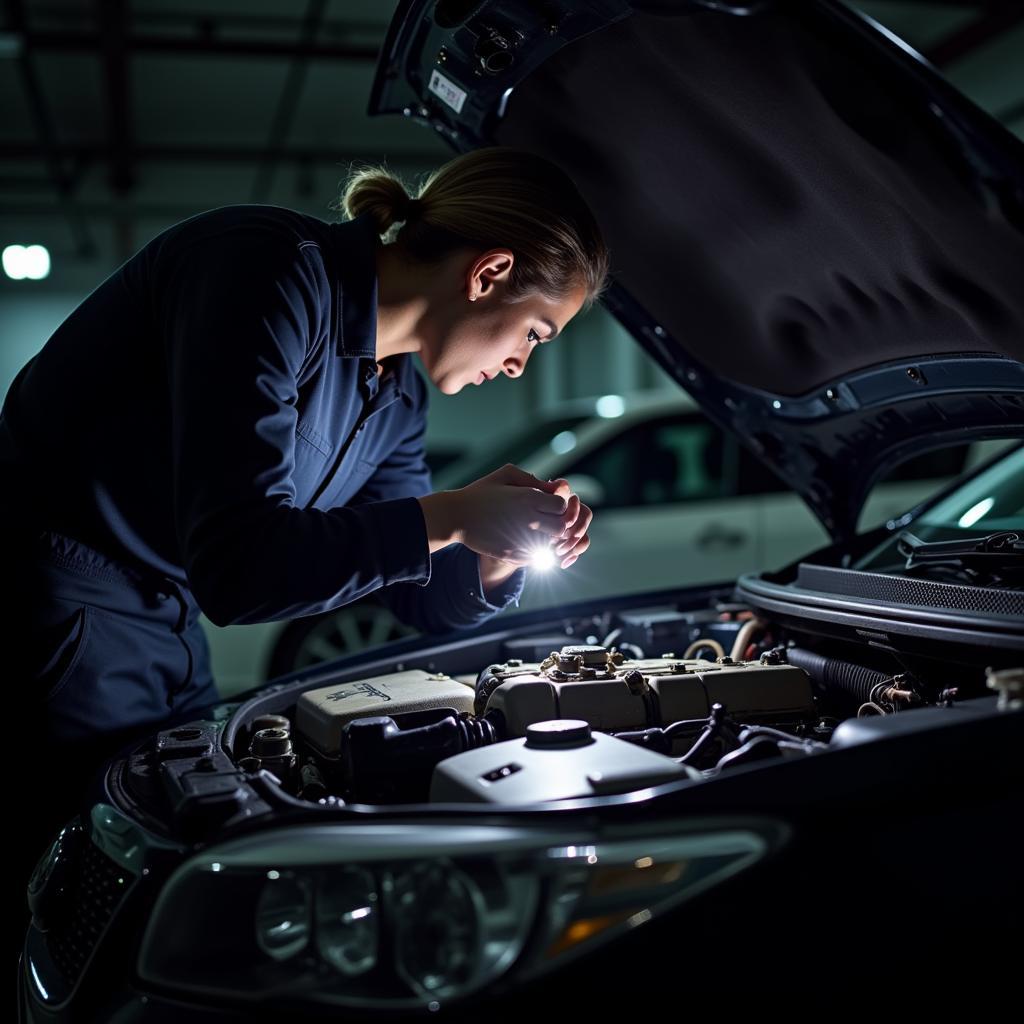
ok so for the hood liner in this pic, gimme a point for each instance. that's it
(810, 229)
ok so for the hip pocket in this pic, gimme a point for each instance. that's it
(60, 650)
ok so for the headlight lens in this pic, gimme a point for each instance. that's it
(283, 924)
(399, 916)
(348, 920)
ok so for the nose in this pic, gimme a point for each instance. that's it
(514, 365)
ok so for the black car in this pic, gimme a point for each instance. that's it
(770, 794)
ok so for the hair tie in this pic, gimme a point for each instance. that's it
(411, 207)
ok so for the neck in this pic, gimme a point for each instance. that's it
(401, 304)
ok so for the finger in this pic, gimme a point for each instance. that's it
(548, 526)
(559, 486)
(550, 504)
(573, 547)
(571, 514)
(575, 552)
(578, 531)
(512, 474)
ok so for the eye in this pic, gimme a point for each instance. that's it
(532, 336)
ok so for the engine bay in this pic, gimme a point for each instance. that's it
(608, 704)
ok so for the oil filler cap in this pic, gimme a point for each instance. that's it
(559, 732)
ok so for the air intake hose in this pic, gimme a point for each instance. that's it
(831, 673)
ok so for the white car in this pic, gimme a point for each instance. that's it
(676, 501)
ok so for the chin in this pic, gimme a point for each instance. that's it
(449, 387)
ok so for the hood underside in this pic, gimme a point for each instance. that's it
(818, 236)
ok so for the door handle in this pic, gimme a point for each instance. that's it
(717, 535)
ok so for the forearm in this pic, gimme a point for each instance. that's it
(439, 516)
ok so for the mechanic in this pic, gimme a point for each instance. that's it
(231, 423)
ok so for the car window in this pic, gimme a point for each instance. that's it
(917, 478)
(682, 458)
(521, 445)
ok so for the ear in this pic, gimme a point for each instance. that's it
(488, 270)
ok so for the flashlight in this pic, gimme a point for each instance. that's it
(543, 559)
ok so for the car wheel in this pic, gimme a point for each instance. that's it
(319, 638)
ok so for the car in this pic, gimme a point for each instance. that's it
(656, 470)
(778, 792)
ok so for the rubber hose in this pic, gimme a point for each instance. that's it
(831, 673)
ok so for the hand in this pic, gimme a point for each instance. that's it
(508, 514)
(576, 521)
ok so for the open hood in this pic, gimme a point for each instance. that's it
(811, 230)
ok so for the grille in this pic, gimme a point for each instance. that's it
(96, 891)
(874, 586)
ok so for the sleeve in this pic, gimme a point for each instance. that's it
(240, 311)
(454, 596)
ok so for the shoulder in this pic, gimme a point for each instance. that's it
(245, 228)
(260, 245)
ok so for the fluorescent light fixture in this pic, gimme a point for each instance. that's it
(610, 406)
(563, 442)
(975, 512)
(26, 261)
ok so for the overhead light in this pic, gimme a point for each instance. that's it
(563, 442)
(610, 406)
(976, 512)
(26, 261)
(10, 44)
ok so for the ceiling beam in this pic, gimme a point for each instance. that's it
(45, 41)
(111, 17)
(47, 145)
(187, 152)
(288, 102)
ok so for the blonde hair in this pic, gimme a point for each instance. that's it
(490, 198)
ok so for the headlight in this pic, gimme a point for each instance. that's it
(402, 916)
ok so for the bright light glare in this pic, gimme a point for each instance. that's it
(563, 442)
(21, 261)
(610, 406)
(975, 512)
(543, 559)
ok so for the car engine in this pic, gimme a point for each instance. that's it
(625, 702)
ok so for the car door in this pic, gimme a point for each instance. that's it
(786, 527)
(665, 512)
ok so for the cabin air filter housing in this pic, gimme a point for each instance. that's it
(611, 692)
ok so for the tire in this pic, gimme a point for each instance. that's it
(319, 638)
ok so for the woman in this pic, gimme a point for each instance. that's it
(231, 423)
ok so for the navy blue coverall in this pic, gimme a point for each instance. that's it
(207, 431)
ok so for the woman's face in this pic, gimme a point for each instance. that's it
(478, 332)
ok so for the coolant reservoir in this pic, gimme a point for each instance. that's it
(557, 760)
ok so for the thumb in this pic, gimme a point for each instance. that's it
(515, 476)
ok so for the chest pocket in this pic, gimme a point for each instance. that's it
(314, 459)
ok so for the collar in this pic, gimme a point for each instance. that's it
(355, 247)
(356, 244)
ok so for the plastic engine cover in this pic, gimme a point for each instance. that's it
(611, 692)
